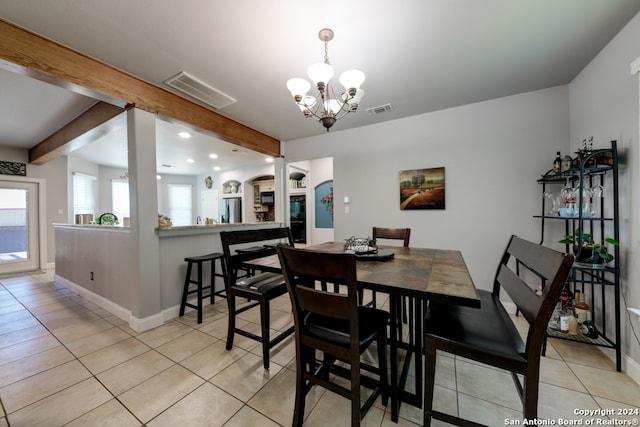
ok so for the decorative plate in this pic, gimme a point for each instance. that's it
(380, 255)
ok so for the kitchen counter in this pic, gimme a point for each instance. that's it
(101, 263)
(94, 227)
(193, 230)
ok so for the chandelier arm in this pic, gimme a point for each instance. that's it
(341, 104)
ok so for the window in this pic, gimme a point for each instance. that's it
(120, 199)
(180, 204)
(84, 194)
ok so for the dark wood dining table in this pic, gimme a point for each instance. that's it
(421, 274)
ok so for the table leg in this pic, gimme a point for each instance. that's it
(417, 349)
(394, 302)
(413, 349)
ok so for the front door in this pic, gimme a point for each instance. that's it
(19, 237)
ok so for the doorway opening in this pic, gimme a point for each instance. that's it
(20, 240)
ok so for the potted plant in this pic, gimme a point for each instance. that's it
(588, 250)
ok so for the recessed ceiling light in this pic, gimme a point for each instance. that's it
(190, 161)
(269, 159)
(158, 177)
(213, 156)
(184, 134)
(216, 168)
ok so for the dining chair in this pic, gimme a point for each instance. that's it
(391, 234)
(488, 334)
(403, 234)
(258, 289)
(335, 325)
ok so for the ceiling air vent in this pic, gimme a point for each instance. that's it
(190, 86)
(379, 109)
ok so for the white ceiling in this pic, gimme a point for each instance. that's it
(418, 55)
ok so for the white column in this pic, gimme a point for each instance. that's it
(143, 196)
(635, 70)
(281, 189)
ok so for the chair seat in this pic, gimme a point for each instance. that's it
(262, 283)
(488, 334)
(202, 258)
(488, 330)
(337, 331)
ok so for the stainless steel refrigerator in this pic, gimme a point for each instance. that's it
(231, 210)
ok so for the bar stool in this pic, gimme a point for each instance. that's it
(199, 260)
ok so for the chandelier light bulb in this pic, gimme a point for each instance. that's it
(354, 100)
(351, 80)
(333, 106)
(320, 74)
(298, 88)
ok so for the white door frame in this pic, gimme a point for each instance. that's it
(40, 251)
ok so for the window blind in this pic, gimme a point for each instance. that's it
(180, 204)
(84, 194)
(120, 198)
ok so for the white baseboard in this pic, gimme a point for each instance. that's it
(629, 366)
(137, 324)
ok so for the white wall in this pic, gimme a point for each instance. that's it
(492, 152)
(604, 104)
(56, 198)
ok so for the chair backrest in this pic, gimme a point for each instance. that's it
(549, 266)
(251, 244)
(392, 233)
(302, 268)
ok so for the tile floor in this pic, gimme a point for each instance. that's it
(66, 362)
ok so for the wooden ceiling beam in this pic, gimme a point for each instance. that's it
(33, 55)
(79, 132)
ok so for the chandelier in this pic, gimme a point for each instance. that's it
(329, 108)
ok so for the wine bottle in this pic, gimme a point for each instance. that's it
(573, 324)
(588, 328)
(581, 308)
(554, 323)
(564, 322)
(566, 298)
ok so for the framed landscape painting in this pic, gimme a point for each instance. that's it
(422, 189)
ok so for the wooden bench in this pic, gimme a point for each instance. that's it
(488, 335)
(260, 289)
